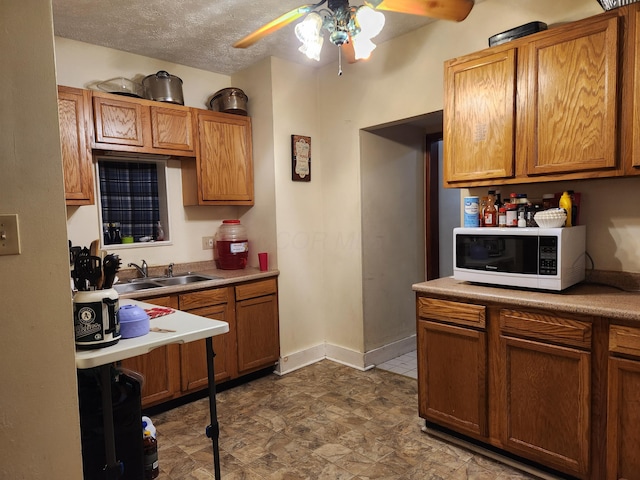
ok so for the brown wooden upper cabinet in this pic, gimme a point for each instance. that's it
(142, 126)
(540, 108)
(222, 172)
(215, 148)
(480, 117)
(74, 113)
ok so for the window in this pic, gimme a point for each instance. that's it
(133, 200)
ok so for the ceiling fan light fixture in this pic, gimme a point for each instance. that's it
(362, 47)
(309, 33)
(370, 21)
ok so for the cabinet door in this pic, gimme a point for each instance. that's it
(193, 355)
(257, 332)
(572, 107)
(623, 431)
(631, 89)
(452, 377)
(172, 128)
(119, 122)
(74, 111)
(225, 160)
(479, 118)
(545, 400)
(160, 367)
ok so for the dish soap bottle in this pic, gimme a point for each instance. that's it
(159, 232)
(565, 203)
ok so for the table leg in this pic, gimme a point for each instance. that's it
(213, 430)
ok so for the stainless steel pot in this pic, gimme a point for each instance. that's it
(163, 87)
(229, 100)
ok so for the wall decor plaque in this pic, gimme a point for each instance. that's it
(300, 158)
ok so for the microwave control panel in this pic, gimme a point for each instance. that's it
(548, 256)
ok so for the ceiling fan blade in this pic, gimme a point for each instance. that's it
(273, 26)
(456, 10)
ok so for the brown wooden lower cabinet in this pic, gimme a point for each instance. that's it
(623, 419)
(218, 305)
(531, 383)
(257, 330)
(545, 399)
(252, 343)
(453, 388)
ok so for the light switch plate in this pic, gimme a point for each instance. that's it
(9, 235)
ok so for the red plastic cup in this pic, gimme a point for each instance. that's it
(263, 258)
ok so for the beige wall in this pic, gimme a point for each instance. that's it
(39, 427)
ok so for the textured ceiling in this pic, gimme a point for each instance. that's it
(198, 33)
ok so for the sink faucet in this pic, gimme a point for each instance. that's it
(170, 270)
(142, 270)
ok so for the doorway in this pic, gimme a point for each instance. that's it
(403, 224)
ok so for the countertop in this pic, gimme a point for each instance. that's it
(227, 278)
(584, 298)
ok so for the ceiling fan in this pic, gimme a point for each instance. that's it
(350, 26)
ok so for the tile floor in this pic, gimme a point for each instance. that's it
(406, 365)
(324, 421)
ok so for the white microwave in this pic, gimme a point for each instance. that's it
(539, 258)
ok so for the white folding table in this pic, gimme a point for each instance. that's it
(185, 328)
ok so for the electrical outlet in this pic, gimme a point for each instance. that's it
(9, 235)
(207, 243)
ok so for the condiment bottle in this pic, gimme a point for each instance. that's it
(490, 211)
(565, 203)
(521, 220)
(502, 217)
(498, 201)
(512, 214)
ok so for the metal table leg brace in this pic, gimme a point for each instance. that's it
(213, 430)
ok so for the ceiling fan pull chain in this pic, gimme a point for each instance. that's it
(339, 61)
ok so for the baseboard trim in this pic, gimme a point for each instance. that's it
(345, 356)
(389, 351)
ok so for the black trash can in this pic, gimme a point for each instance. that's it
(127, 420)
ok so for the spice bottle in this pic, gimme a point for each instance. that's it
(565, 203)
(512, 214)
(502, 217)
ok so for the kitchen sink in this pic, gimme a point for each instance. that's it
(184, 279)
(136, 284)
(133, 287)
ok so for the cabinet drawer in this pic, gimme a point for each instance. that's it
(256, 289)
(546, 327)
(624, 340)
(203, 298)
(452, 312)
